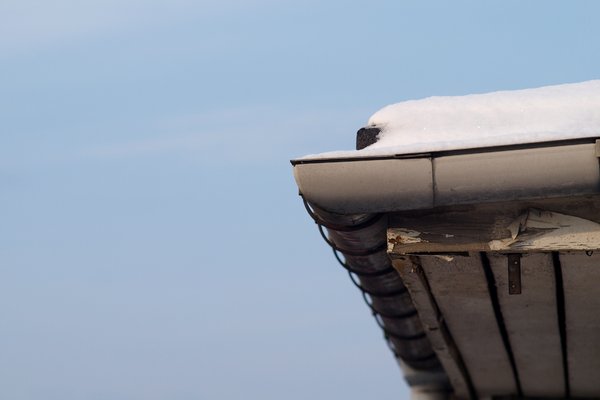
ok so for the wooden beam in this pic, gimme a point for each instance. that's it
(434, 325)
(504, 228)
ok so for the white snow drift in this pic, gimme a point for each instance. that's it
(480, 120)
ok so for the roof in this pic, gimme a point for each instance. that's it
(479, 264)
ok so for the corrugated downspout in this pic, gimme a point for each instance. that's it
(360, 244)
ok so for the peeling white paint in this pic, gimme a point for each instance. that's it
(403, 236)
(407, 236)
(546, 230)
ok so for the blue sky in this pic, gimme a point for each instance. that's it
(152, 243)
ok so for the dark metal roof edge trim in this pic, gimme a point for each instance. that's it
(445, 153)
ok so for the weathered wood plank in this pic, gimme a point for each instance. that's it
(587, 207)
(460, 289)
(435, 329)
(549, 231)
(531, 320)
(581, 277)
(460, 231)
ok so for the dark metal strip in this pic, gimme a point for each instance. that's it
(514, 273)
(445, 153)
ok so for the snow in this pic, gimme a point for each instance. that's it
(480, 120)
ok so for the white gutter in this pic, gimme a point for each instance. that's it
(421, 181)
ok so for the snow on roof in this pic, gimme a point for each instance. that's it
(480, 120)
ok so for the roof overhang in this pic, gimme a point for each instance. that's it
(498, 248)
